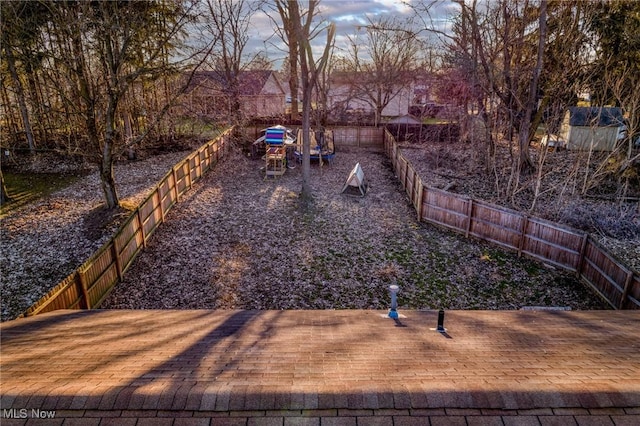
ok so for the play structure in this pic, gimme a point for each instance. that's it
(322, 146)
(276, 140)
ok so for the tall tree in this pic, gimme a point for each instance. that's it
(20, 24)
(614, 79)
(287, 33)
(494, 42)
(106, 47)
(304, 30)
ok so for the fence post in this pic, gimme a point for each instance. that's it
(175, 183)
(625, 293)
(469, 213)
(419, 206)
(141, 224)
(116, 256)
(583, 249)
(406, 175)
(523, 230)
(83, 288)
(160, 203)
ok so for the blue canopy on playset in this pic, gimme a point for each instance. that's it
(275, 136)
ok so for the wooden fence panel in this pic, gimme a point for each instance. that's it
(151, 215)
(553, 243)
(168, 193)
(181, 178)
(401, 171)
(194, 169)
(416, 194)
(147, 207)
(95, 267)
(549, 242)
(358, 137)
(444, 209)
(604, 273)
(632, 300)
(100, 276)
(63, 296)
(492, 223)
(410, 182)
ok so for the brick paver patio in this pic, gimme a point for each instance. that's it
(204, 367)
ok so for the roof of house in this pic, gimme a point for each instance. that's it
(405, 119)
(595, 116)
(251, 82)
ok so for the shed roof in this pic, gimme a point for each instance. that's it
(595, 116)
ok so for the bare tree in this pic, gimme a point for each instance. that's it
(304, 30)
(493, 41)
(287, 33)
(20, 24)
(227, 23)
(103, 49)
(382, 66)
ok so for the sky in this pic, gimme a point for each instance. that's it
(347, 15)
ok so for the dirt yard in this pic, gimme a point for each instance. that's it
(238, 240)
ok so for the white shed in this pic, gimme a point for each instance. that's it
(592, 128)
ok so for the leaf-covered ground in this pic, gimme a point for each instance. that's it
(238, 240)
(44, 241)
(568, 187)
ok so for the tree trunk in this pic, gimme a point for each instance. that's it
(293, 79)
(526, 165)
(306, 147)
(4, 195)
(106, 177)
(24, 112)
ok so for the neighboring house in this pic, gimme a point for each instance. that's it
(347, 93)
(592, 128)
(259, 91)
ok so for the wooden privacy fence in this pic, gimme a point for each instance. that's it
(90, 284)
(343, 136)
(546, 241)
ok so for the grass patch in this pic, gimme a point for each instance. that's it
(24, 188)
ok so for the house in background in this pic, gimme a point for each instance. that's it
(260, 94)
(592, 128)
(349, 92)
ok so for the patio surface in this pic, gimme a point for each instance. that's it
(343, 367)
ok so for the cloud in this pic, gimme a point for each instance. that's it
(346, 14)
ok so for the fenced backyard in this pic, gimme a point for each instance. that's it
(548, 242)
(87, 286)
